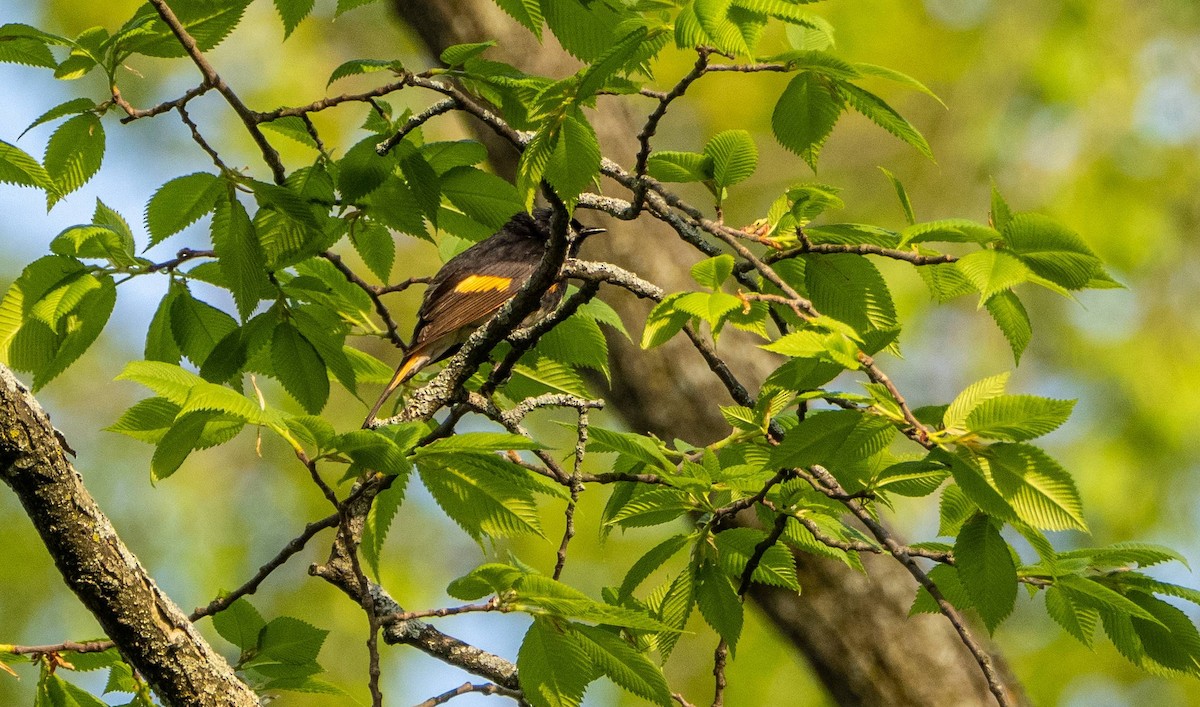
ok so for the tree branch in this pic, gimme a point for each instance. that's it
(152, 632)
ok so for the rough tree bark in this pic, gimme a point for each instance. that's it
(853, 629)
(150, 631)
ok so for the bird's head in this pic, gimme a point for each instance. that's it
(541, 217)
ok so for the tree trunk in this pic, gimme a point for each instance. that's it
(152, 633)
(854, 629)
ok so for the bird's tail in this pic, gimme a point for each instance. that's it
(413, 362)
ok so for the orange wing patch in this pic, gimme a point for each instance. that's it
(483, 283)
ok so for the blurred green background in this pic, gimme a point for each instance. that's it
(1087, 111)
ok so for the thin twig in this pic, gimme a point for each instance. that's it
(132, 114)
(822, 480)
(199, 139)
(415, 122)
(393, 331)
(576, 489)
(651, 126)
(467, 688)
(720, 655)
(181, 257)
(760, 550)
(492, 604)
(862, 249)
(919, 432)
(212, 78)
(330, 102)
(72, 646)
(250, 586)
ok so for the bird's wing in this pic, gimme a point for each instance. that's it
(467, 298)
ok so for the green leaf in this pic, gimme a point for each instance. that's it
(527, 12)
(459, 54)
(73, 154)
(719, 603)
(946, 578)
(538, 595)
(239, 255)
(1010, 315)
(165, 379)
(178, 442)
(955, 417)
(577, 341)
(207, 23)
(945, 281)
(954, 510)
(900, 78)
(804, 116)
(575, 162)
(879, 112)
(481, 502)
(379, 521)
(912, 478)
(1075, 618)
(585, 30)
(484, 197)
(1016, 418)
(240, 624)
(634, 446)
(95, 242)
(646, 507)
(664, 322)
(394, 205)
(777, 567)
(850, 289)
(375, 246)
(197, 326)
(292, 12)
(1051, 250)
(160, 342)
(53, 691)
(180, 203)
(613, 60)
(71, 107)
(148, 420)
(668, 166)
(20, 44)
(424, 182)
(478, 442)
(715, 18)
(363, 170)
(734, 156)
(18, 167)
(951, 230)
(1042, 492)
(975, 484)
(1001, 214)
(362, 66)
(78, 329)
(1098, 594)
(987, 571)
(1121, 555)
(623, 664)
(290, 640)
(902, 195)
(653, 560)
(711, 273)
(299, 367)
(554, 668)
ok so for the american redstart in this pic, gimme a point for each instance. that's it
(474, 284)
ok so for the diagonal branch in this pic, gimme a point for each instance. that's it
(151, 631)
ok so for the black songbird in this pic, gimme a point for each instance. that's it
(474, 284)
